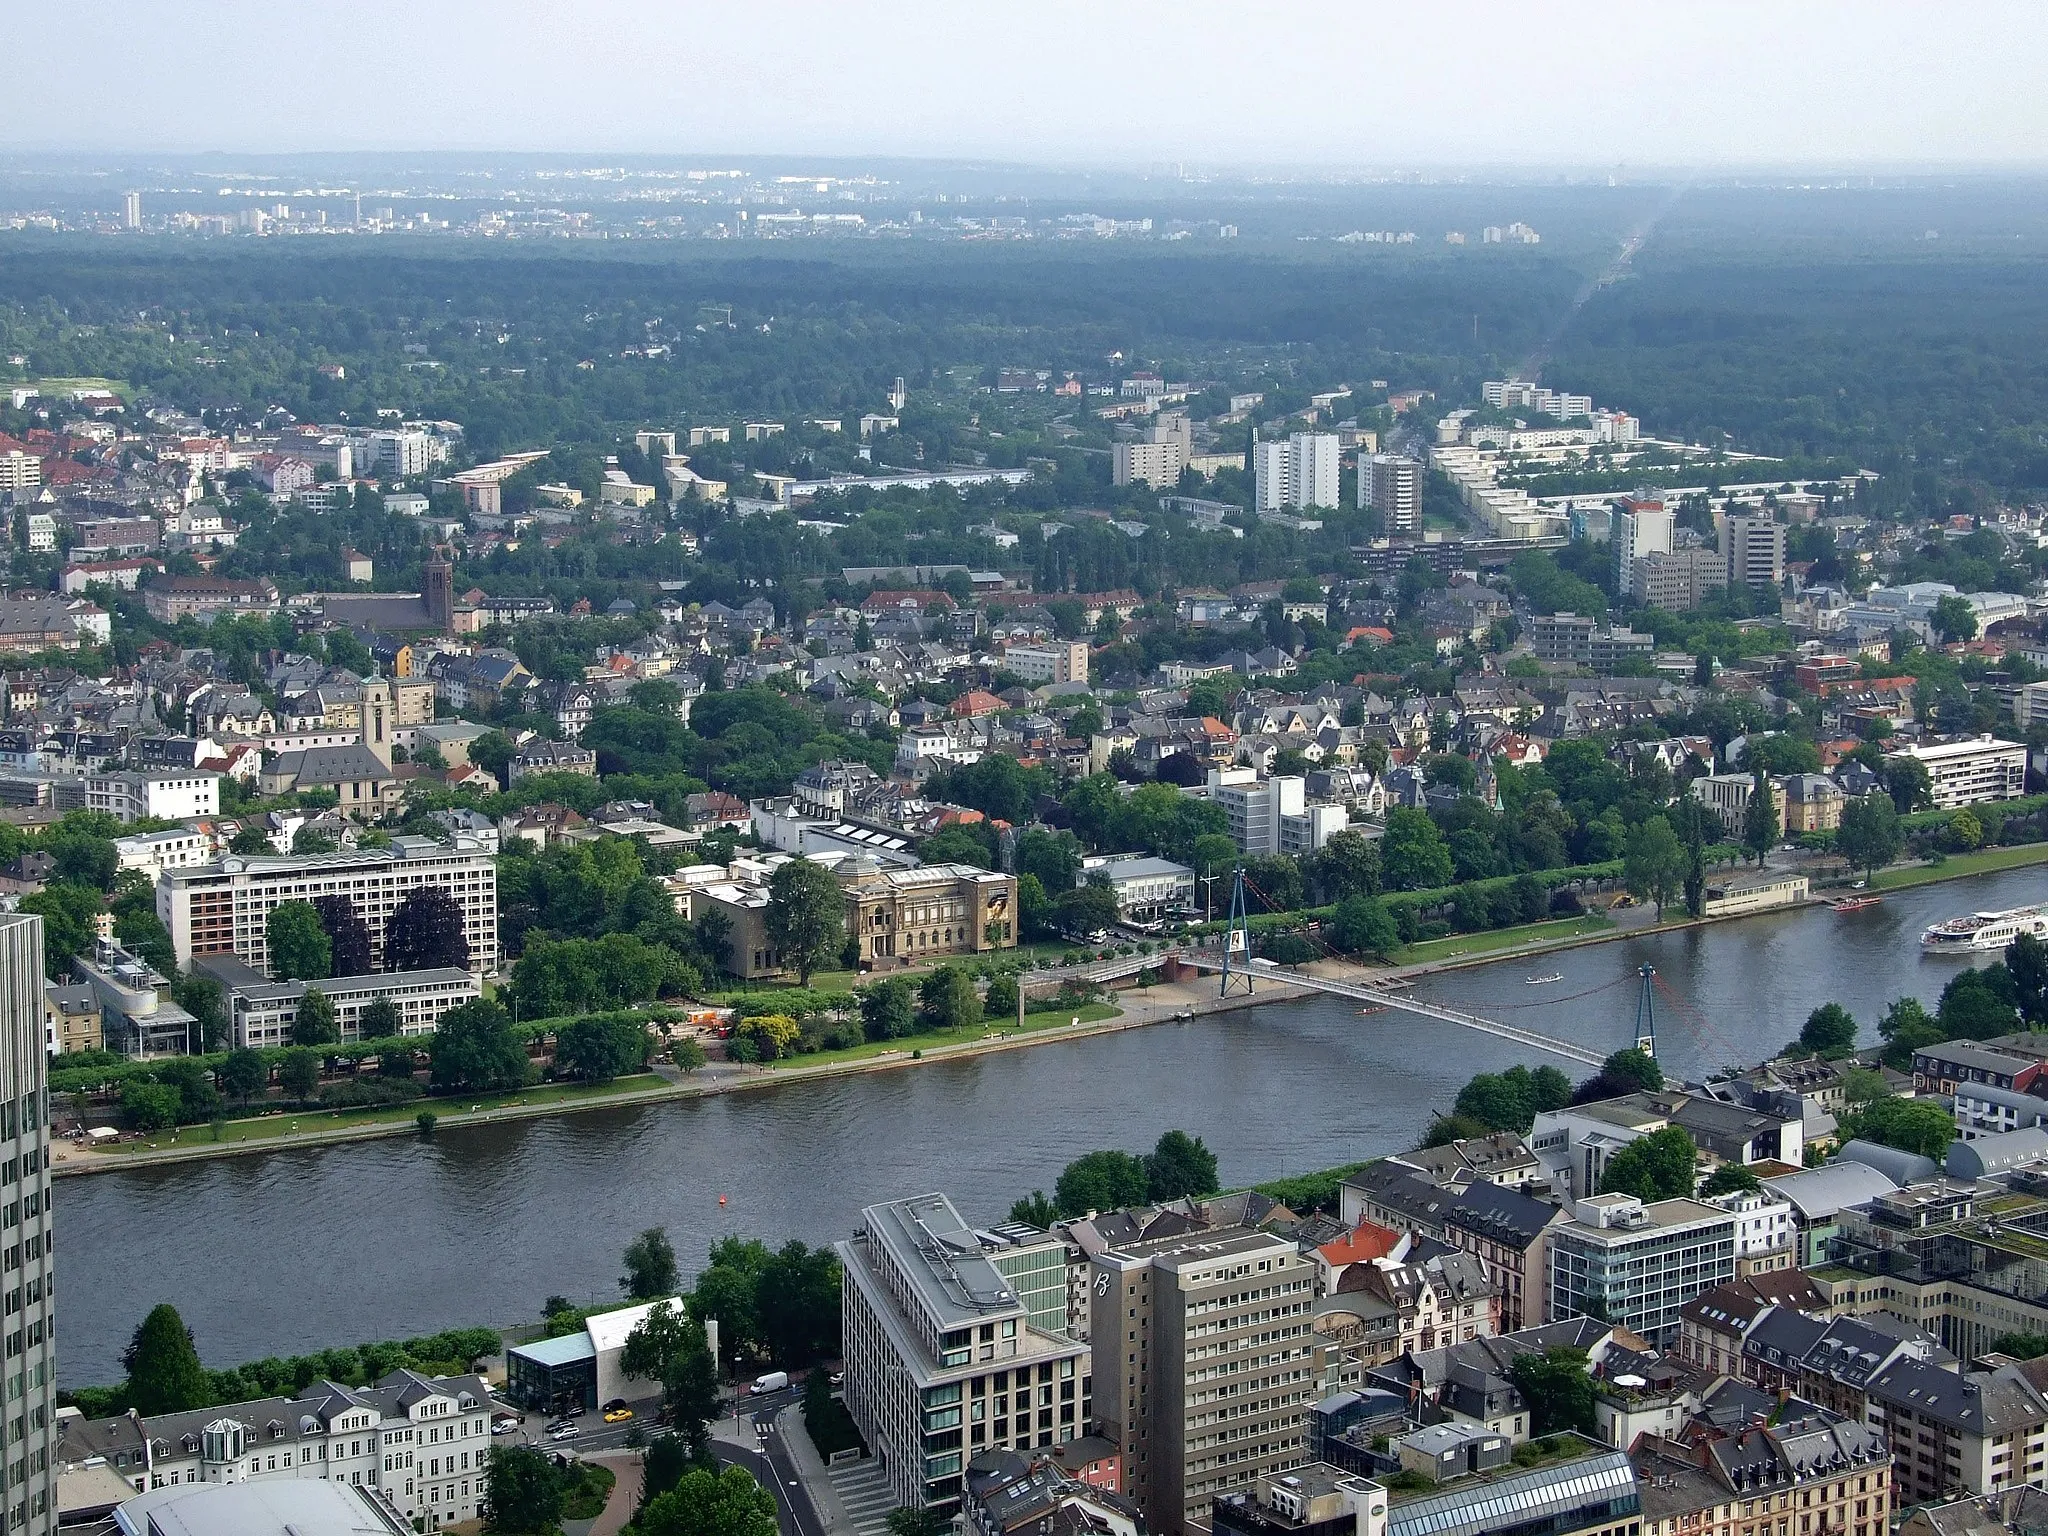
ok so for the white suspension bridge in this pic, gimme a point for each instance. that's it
(1212, 960)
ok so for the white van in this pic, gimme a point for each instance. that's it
(774, 1381)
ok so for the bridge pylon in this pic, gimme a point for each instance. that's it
(1237, 942)
(1646, 1013)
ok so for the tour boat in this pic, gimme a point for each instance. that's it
(1542, 981)
(1975, 933)
(1855, 903)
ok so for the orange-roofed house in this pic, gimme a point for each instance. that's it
(1361, 1245)
(976, 702)
(1369, 634)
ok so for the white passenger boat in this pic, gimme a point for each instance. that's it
(1977, 932)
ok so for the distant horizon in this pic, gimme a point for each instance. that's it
(1188, 170)
(1720, 85)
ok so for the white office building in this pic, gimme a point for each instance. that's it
(154, 852)
(1640, 527)
(222, 908)
(174, 795)
(1300, 472)
(1971, 772)
(1273, 815)
(261, 1014)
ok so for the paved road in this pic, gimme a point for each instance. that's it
(769, 1460)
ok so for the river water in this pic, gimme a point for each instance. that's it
(292, 1251)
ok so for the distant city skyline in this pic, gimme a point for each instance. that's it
(1485, 84)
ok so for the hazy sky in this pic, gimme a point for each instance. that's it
(1525, 82)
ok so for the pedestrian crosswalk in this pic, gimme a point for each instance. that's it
(865, 1493)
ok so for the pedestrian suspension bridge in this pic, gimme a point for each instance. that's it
(1232, 962)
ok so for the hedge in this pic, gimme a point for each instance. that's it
(68, 1080)
(1419, 902)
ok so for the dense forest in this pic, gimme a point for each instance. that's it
(1822, 329)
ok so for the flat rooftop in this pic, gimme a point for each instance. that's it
(942, 1260)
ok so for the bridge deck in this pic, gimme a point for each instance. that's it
(1385, 999)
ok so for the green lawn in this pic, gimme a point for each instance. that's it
(1983, 861)
(1087, 1013)
(1458, 944)
(451, 1111)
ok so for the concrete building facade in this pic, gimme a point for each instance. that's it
(941, 1359)
(1203, 1353)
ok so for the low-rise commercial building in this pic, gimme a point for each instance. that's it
(261, 1013)
(578, 1372)
(1146, 889)
(1636, 1264)
(1970, 772)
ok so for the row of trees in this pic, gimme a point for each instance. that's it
(163, 1372)
(314, 940)
(1179, 1166)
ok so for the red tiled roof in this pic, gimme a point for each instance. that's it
(1364, 1243)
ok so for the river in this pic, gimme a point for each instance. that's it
(291, 1251)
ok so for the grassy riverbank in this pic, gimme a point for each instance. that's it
(1461, 945)
(1957, 866)
(283, 1125)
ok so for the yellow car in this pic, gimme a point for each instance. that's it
(617, 1415)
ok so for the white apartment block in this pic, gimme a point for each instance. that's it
(1058, 661)
(155, 852)
(24, 472)
(129, 796)
(263, 1016)
(1157, 464)
(942, 1358)
(1273, 815)
(221, 908)
(1298, 473)
(1640, 528)
(1764, 1233)
(1391, 485)
(1754, 549)
(421, 1442)
(1971, 772)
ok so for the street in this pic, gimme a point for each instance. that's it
(751, 1439)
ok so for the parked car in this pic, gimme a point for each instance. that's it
(564, 1432)
(617, 1415)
